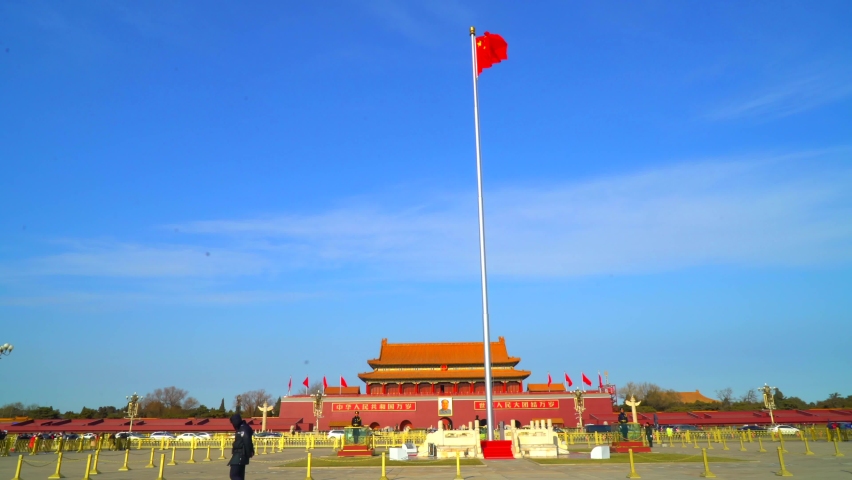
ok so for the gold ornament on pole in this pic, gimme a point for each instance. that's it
(132, 411)
(769, 399)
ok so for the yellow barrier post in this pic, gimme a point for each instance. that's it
(781, 440)
(706, 473)
(384, 469)
(682, 444)
(162, 444)
(222, 454)
(173, 462)
(309, 477)
(632, 473)
(80, 445)
(709, 446)
(162, 466)
(88, 466)
(191, 451)
(742, 444)
(760, 442)
(784, 472)
(125, 467)
(18, 468)
(265, 443)
(807, 447)
(458, 468)
(94, 470)
(151, 461)
(724, 443)
(58, 473)
(208, 454)
(836, 447)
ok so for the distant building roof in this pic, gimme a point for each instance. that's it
(542, 387)
(343, 390)
(696, 396)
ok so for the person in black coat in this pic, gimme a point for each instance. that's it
(649, 433)
(243, 448)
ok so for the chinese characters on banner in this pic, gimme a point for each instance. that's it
(374, 407)
(518, 405)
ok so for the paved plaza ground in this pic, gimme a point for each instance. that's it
(823, 465)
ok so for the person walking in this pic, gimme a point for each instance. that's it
(242, 449)
(622, 423)
(649, 433)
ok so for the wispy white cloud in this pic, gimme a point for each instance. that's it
(794, 97)
(792, 211)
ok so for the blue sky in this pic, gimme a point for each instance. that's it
(188, 186)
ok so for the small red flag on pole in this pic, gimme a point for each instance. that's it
(600, 381)
(324, 383)
(289, 386)
(586, 380)
(568, 379)
(343, 382)
(549, 381)
(305, 383)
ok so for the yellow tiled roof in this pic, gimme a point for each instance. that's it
(696, 396)
(458, 353)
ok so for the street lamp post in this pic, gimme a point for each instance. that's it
(6, 349)
(769, 399)
(579, 406)
(318, 400)
(132, 408)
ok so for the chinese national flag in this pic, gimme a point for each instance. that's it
(586, 380)
(600, 381)
(343, 382)
(490, 49)
(324, 383)
(549, 380)
(568, 379)
(290, 385)
(305, 383)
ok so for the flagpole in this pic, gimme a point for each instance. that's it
(486, 334)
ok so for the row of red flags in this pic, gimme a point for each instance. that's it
(307, 383)
(570, 383)
(586, 380)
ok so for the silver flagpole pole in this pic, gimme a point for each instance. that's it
(486, 334)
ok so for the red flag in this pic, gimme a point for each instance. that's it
(490, 49)
(568, 379)
(600, 381)
(290, 385)
(586, 380)
(305, 383)
(324, 383)
(549, 380)
(343, 382)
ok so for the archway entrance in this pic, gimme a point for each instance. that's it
(375, 426)
(404, 425)
(448, 422)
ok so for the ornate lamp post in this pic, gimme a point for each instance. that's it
(769, 399)
(318, 400)
(132, 408)
(6, 349)
(579, 406)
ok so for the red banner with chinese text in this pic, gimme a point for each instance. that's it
(375, 407)
(520, 405)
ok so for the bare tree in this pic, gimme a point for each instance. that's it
(749, 397)
(168, 397)
(725, 395)
(249, 401)
(190, 403)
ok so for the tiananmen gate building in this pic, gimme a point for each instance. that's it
(417, 385)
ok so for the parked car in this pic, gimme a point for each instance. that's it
(757, 428)
(785, 429)
(162, 435)
(336, 433)
(203, 436)
(131, 435)
(89, 436)
(70, 436)
(186, 437)
(684, 428)
(267, 435)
